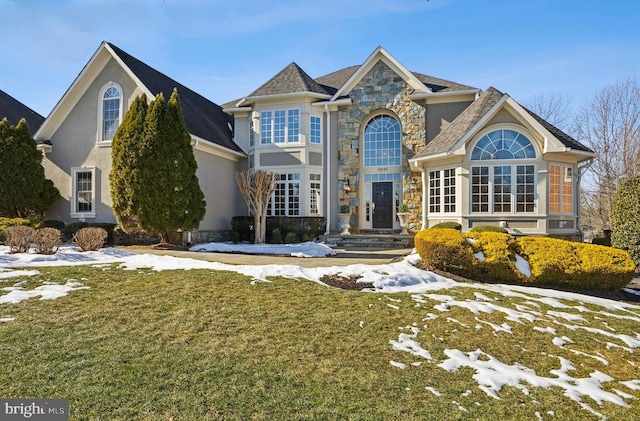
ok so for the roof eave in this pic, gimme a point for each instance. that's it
(436, 95)
(285, 95)
(210, 147)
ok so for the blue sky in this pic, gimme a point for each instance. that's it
(226, 49)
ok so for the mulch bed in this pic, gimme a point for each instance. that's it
(346, 282)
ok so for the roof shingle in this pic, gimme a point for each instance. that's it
(291, 79)
(15, 110)
(203, 118)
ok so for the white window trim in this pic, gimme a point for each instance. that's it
(101, 142)
(272, 139)
(441, 194)
(321, 133)
(74, 193)
(504, 163)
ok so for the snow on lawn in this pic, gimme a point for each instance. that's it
(544, 311)
(308, 249)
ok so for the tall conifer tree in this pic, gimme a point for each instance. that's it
(161, 192)
(125, 156)
(24, 190)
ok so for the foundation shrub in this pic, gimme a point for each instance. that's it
(489, 228)
(276, 236)
(90, 238)
(18, 238)
(47, 240)
(290, 238)
(449, 225)
(445, 249)
(604, 267)
(552, 261)
(499, 258)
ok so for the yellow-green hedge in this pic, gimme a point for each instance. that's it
(551, 261)
(445, 249)
(10, 222)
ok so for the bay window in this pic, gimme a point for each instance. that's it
(280, 126)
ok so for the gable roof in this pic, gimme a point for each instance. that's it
(291, 79)
(15, 110)
(486, 103)
(334, 81)
(203, 118)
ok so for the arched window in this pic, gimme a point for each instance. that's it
(382, 142)
(503, 187)
(503, 144)
(110, 116)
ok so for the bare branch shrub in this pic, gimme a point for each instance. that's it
(90, 238)
(257, 187)
(19, 238)
(47, 240)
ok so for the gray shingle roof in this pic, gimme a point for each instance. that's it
(334, 81)
(203, 118)
(291, 79)
(15, 110)
(566, 140)
(447, 139)
(459, 127)
(441, 85)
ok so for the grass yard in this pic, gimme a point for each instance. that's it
(201, 344)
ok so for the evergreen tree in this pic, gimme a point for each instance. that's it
(24, 190)
(625, 218)
(163, 193)
(125, 157)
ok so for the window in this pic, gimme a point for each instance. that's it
(560, 189)
(110, 111)
(83, 194)
(505, 189)
(442, 191)
(279, 126)
(286, 198)
(315, 130)
(382, 142)
(314, 194)
(494, 188)
(251, 132)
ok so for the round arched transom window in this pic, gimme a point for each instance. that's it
(382, 142)
(503, 144)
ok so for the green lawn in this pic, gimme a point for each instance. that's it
(198, 345)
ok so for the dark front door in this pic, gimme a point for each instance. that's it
(383, 205)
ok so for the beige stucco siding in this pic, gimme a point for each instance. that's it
(217, 181)
(75, 145)
(439, 116)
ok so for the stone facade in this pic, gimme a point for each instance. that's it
(381, 90)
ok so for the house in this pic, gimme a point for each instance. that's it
(377, 135)
(76, 139)
(371, 136)
(14, 110)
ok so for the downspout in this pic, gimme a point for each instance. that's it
(328, 170)
(581, 170)
(424, 198)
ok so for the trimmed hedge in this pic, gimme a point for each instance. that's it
(551, 261)
(489, 228)
(300, 226)
(449, 225)
(70, 230)
(445, 249)
(12, 222)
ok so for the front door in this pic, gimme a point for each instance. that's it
(383, 205)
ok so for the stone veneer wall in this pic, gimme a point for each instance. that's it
(381, 89)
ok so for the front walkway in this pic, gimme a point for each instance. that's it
(342, 258)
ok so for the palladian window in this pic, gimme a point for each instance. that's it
(382, 142)
(500, 186)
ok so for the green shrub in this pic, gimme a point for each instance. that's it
(445, 249)
(291, 238)
(625, 218)
(403, 208)
(345, 209)
(448, 225)
(552, 261)
(235, 237)
(499, 258)
(276, 236)
(489, 228)
(604, 267)
(50, 223)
